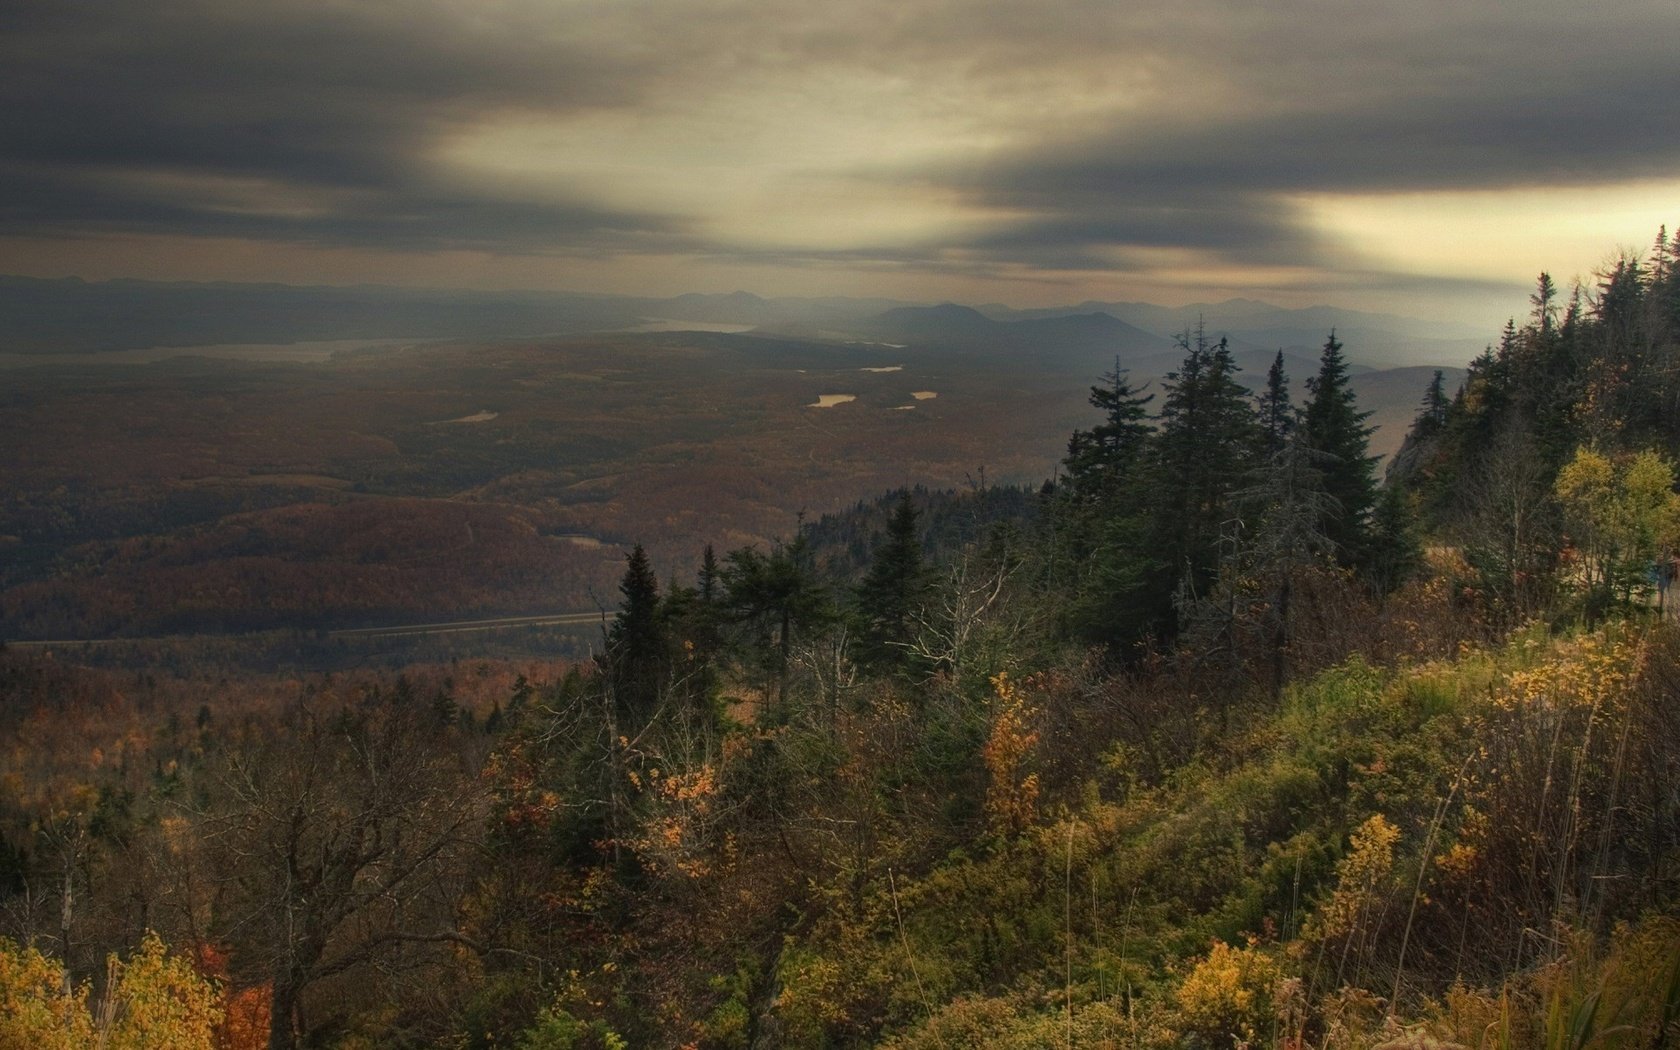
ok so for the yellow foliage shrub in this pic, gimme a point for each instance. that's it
(162, 1002)
(1589, 673)
(1360, 876)
(154, 1002)
(1230, 995)
(36, 1011)
(1012, 798)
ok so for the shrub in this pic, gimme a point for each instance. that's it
(1230, 996)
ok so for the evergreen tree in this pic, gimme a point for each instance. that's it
(1615, 393)
(1288, 541)
(1434, 413)
(693, 615)
(1420, 453)
(690, 645)
(1544, 301)
(1621, 315)
(1101, 459)
(1098, 553)
(709, 593)
(1665, 284)
(1204, 454)
(1336, 428)
(636, 646)
(774, 597)
(1665, 327)
(1277, 412)
(891, 593)
(1396, 553)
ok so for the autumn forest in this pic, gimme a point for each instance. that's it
(1244, 725)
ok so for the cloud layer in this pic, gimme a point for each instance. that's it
(978, 136)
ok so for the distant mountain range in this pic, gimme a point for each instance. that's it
(949, 326)
(39, 316)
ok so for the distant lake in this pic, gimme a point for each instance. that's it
(666, 324)
(297, 353)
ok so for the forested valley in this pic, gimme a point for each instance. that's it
(1216, 739)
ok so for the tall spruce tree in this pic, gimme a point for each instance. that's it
(775, 597)
(1336, 428)
(1101, 460)
(706, 621)
(1544, 301)
(691, 620)
(1395, 551)
(636, 649)
(1206, 450)
(1099, 552)
(1288, 541)
(1277, 412)
(1421, 450)
(1433, 415)
(892, 592)
(708, 581)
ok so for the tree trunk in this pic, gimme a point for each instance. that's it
(282, 1033)
(782, 663)
(1280, 637)
(66, 909)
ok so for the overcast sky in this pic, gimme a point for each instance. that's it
(1429, 156)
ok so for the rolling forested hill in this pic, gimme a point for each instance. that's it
(1210, 741)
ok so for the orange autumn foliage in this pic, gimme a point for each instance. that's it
(1012, 798)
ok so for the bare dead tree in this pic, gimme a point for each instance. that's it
(1504, 527)
(335, 842)
(975, 607)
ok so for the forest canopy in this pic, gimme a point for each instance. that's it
(1213, 739)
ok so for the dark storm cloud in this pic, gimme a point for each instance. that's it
(1084, 134)
(1239, 225)
(1242, 109)
(342, 93)
(1625, 124)
(395, 217)
(1226, 185)
(131, 117)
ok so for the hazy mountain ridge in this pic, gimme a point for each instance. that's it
(45, 316)
(1375, 339)
(1239, 313)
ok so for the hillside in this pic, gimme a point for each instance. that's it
(1061, 851)
(194, 494)
(1209, 741)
